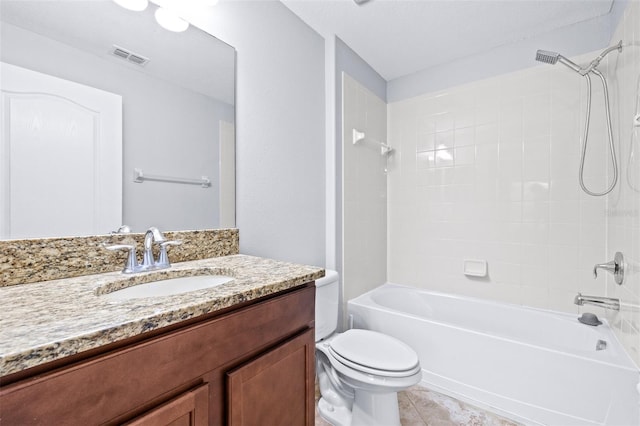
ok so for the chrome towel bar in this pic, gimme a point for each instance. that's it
(139, 177)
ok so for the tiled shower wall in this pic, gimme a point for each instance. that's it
(364, 190)
(623, 208)
(489, 170)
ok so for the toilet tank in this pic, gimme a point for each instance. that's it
(327, 304)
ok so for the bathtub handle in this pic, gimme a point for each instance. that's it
(616, 267)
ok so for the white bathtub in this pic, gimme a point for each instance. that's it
(533, 366)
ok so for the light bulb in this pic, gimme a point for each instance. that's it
(170, 21)
(135, 5)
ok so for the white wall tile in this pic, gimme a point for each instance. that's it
(444, 139)
(535, 190)
(426, 142)
(487, 134)
(444, 121)
(464, 136)
(464, 117)
(365, 187)
(465, 155)
(488, 153)
(564, 189)
(564, 211)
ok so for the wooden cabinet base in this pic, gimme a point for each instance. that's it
(179, 377)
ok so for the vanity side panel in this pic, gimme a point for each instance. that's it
(121, 384)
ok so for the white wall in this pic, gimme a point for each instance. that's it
(280, 128)
(364, 190)
(488, 170)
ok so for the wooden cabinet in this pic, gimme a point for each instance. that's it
(267, 389)
(188, 409)
(253, 362)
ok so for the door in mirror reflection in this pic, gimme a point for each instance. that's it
(61, 156)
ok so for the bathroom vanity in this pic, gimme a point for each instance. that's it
(240, 353)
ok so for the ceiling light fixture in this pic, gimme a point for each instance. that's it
(135, 5)
(170, 21)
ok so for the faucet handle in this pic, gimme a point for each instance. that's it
(132, 260)
(124, 229)
(163, 258)
(616, 267)
(609, 266)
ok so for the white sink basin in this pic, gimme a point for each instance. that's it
(168, 287)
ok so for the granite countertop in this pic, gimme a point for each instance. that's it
(46, 321)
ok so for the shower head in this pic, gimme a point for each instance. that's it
(553, 57)
(547, 57)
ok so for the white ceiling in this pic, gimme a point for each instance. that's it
(191, 59)
(401, 37)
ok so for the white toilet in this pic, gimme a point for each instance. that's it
(359, 371)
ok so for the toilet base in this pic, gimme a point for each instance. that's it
(369, 409)
(336, 415)
(375, 409)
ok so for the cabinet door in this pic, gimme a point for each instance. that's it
(276, 388)
(189, 409)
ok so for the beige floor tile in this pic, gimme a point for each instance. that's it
(440, 410)
(409, 416)
(423, 407)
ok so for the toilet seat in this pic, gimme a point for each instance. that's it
(374, 353)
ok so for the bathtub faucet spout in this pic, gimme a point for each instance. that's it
(603, 302)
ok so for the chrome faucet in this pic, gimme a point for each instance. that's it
(603, 302)
(153, 235)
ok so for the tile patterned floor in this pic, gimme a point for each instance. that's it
(423, 407)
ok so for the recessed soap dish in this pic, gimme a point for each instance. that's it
(475, 267)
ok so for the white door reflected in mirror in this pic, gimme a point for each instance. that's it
(61, 150)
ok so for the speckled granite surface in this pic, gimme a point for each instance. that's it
(35, 260)
(42, 322)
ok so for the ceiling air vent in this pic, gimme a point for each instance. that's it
(129, 56)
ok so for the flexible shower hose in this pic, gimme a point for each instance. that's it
(612, 148)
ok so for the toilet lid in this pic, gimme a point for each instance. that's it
(374, 350)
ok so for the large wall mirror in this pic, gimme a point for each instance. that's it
(109, 119)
